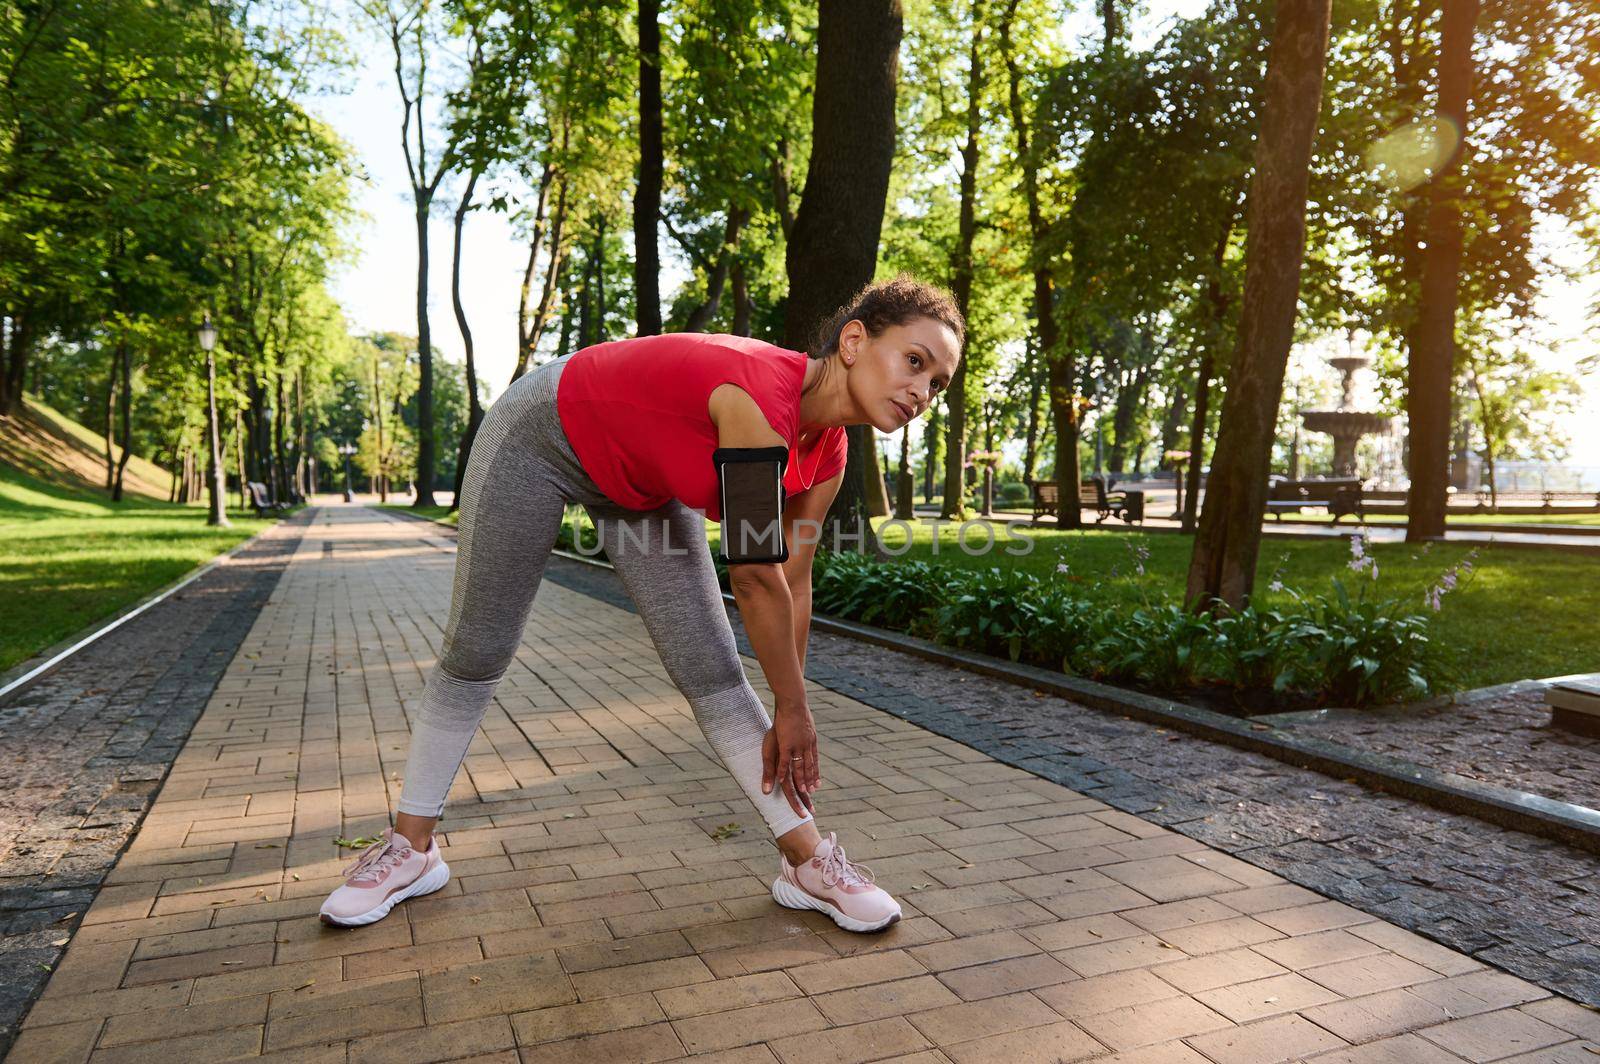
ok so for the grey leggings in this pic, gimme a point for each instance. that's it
(519, 481)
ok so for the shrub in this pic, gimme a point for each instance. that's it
(987, 610)
(1335, 647)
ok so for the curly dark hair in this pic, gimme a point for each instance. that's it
(898, 302)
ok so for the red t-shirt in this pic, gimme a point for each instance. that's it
(635, 412)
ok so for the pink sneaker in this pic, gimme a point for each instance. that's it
(829, 883)
(387, 873)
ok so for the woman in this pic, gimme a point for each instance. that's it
(648, 434)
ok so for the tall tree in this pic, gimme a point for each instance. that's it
(1222, 567)
(1058, 364)
(647, 196)
(1432, 368)
(833, 248)
(414, 36)
(961, 273)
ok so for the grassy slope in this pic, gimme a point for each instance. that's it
(51, 447)
(68, 556)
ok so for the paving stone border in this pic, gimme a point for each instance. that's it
(88, 744)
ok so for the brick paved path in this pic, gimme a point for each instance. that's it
(602, 909)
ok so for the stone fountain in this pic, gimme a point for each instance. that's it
(1346, 425)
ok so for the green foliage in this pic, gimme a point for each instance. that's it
(1332, 648)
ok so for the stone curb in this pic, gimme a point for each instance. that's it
(1574, 825)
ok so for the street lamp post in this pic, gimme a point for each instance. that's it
(347, 449)
(215, 489)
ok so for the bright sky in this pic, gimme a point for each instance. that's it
(378, 290)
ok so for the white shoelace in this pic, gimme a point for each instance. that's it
(842, 870)
(374, 861)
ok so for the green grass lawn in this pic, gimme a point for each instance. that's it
(70, 557)
(1523, 614)
(433, 513)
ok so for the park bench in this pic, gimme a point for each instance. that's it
(1341, 497)
(1545, 498)
(1092, 495)
(1045, 498)
(1128, 505)
(261, 499)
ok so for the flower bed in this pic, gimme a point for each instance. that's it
(1339, 647)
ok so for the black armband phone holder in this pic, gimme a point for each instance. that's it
(750, 483)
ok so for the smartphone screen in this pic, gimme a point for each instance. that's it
(752, 511)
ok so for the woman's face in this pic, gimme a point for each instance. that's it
(895, 376)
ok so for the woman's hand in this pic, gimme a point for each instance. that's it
(789, 757)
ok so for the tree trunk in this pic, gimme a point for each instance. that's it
(1030, 456)
(833, 247)
(601, 332)
(16, 341)
(525, 349)
(281, 491)
(741, 300)
(877, 488)
(126, 360)
(302, 436)
(930, 441)
(569, 316)
(1059, 363)
(425, 435)
(1176, 405)
(961, 273)
(588, 330)
(702, 315)
(474, 408)
(1494, 485)
(1197, 435)
(904, 501)
(108, 426)
(780, 188)
(217, 492)
(1066, 412)
(1110, 22)
(1431, 372)
(1222, 568)
(554, 274)
(988, 466)
(239, 449)
(1130, 400)
(382, 464)
(254, 418)
(647, 197)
